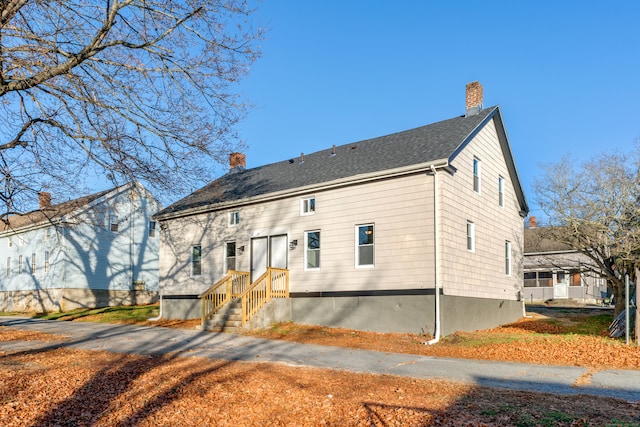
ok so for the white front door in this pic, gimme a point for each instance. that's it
(561, 285)
(268, 252)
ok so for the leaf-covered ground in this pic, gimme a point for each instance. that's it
(64, 387)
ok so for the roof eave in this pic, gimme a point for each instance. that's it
(329, 185)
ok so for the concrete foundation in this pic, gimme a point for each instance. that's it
(399, 313)
(44, 300)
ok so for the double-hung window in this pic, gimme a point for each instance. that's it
(312, 250)
(234, 218)
(33, 263)
(20, 266)
(152, 229)
(507, 257)
(8, 266)
(477, 175)
(47, 262)
(230, 255)
(196, 260)
(365, 241)
(308, 206)
(500, 191)
(471, 236)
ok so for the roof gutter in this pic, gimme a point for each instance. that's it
(330, 185)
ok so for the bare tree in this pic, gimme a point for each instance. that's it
(129, 89)
(594, 208)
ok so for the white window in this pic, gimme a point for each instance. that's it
(33, 263)
(308, 206)
(312, 250)
(477, 174)
(10, 241)
(500, 191)
(196, 260)
(20, 266)
(8, 266)
(234, 218)
(46, 261)
(230, 256)
(471, 236)
(365, 245)
(152, 229)
(113, 224)
(507, 257)
(47, 234)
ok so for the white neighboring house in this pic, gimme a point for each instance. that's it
(94, 251)
(391, 234)
(555, 271)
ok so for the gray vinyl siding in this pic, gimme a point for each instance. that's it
(480, 273)
(401, 210)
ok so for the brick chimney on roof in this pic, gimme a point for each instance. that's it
(45, 199)
(237, 161)
(475, 97)
(533, 222)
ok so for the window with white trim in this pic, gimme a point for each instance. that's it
(365, 245)
(308, 206)
(230, 256)
(234, 218)
(500, 191)
(477, 175)
(47, 264)
(152, 228)
(471, 236)
(10, 241)
(312, 250)
(113, 224)
(196, 260)
(507, 257)
(33, 263)
(20, 265)
(9, 266)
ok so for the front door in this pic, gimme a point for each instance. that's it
(561, 285)
(268, 252)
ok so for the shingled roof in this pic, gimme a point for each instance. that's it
(49, 214)
(435, 142)
(538, 240)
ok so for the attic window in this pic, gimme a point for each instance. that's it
(308, 206)
(113, 224)
(234, 218)
(152, 229)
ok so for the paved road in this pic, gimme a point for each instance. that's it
(624, 384)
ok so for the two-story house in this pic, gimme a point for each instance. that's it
(419, 231)
(94, 251)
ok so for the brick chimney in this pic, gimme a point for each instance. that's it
(533, 222)
(474, 98)
(237, 161)
(45, 199)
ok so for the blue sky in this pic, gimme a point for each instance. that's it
(565, 74)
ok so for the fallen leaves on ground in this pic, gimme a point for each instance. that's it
(88, 388)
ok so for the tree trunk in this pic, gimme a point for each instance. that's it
(617, 291)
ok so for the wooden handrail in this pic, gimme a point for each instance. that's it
(274, 283)
(221, 292)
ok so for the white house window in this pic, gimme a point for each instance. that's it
(365, 245)
(47, 234)
(308, 206)
(8, 266)
(113, 224)
(33, 263)
(152, 229)
(20, 265)
(471, 236)
(46, 261)
(230, 256)
(507, 257)
(500, 191)
(477, 174)
(196, 260)
(10, 241)
(312, 250)
(234, 218)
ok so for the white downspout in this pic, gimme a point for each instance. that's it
(155, 319)
(436, 333)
